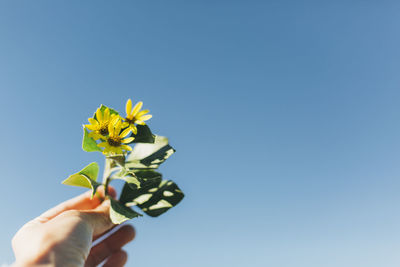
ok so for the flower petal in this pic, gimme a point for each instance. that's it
(137, 107)
(91, 127)
(133, 128)
(141, 113)
(114, 118)
(146, 117)
(95, 135)
(125, 132)
(99, 115)
(115, 150)
(111, 128)
(126, 147)
(128, 107)
(127, 140)
(102, 144)
(117, 127)
(93, 121)
(107, 114)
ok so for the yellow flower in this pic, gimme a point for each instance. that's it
(99, 126)
(116, 142)
(135, 116)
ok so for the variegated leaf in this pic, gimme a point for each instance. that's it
(120, 213)
(149, 156)
(154, 197)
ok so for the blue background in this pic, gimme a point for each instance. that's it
(284, 114)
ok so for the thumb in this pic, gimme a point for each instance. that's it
(99, 218)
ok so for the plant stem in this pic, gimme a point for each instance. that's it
(107, 175)
(106, 187)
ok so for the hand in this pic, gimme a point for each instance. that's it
(63, 236)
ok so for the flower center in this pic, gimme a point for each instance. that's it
(104, 131)
(130, 121)
(112, 141)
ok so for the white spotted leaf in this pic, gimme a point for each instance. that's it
(120, 213)
(155, 196)
(149, 156)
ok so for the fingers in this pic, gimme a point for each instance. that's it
(98, 218)
(111, 248)
(80, 202)
(117, 259)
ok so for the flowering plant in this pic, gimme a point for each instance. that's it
(133, 154)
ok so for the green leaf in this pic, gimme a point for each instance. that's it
(103, 107)
(149, 156)
(120, 213)
(88, 143)
(154, 197)
(128, 176)
(87, 177)
(143, 135)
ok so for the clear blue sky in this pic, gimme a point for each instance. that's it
(285, 116)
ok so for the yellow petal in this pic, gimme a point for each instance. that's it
(107, 114)
(114, 118)
(137, 107)
(110, 129)
(126, 147)
(127, 140)
(102, 144)
(141, 113)
(112, 126)
(146, 117)
(93, 121)
(99, 115)
(95, 135)
(91, 127)
(128, 107)
(125, 133)
(140, 122)
(133, 128)
(117, 128)
(106, 151)
(116, 150)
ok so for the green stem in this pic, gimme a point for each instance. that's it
(106, 187)
(107, 175)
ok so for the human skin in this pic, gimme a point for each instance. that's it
(63, 236)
